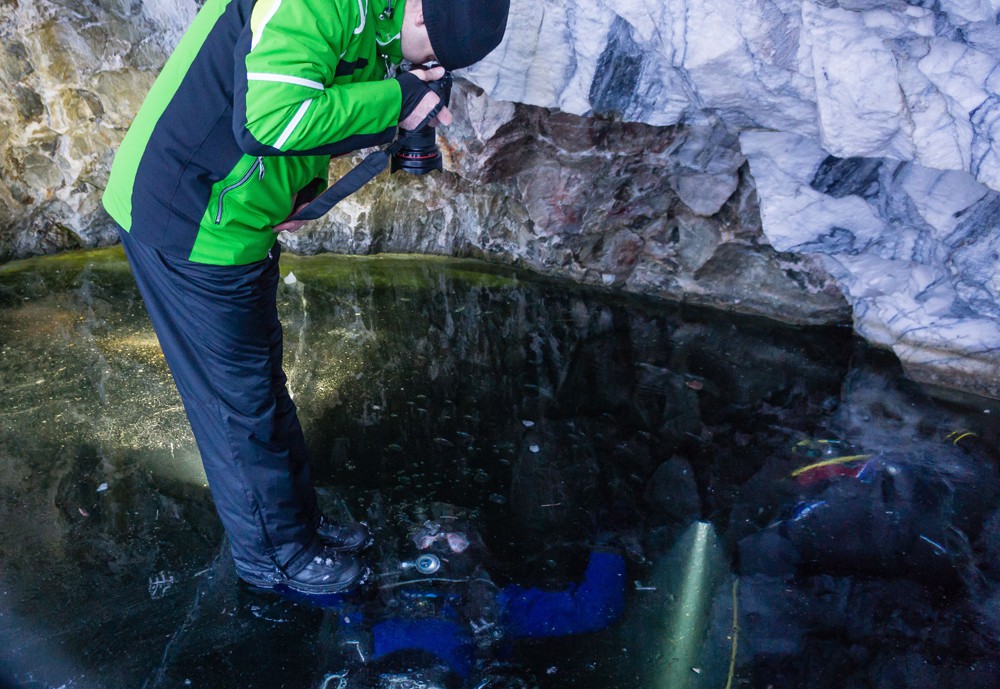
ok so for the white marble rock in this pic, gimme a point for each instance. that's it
(872, 128)
(915, 250)
(865, 78)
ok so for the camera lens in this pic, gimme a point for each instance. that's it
(420, 154)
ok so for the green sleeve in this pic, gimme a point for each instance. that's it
(286, 101)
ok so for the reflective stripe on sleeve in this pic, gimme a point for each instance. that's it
(285, 79)
(293, 124)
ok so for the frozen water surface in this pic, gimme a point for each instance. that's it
(568, 489)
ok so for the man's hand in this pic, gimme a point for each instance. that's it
(291, 225)
(428, 102)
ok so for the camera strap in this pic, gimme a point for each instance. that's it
(360, 175)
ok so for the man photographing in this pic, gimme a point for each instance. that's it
(235, 134)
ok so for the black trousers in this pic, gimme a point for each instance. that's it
(219, 330)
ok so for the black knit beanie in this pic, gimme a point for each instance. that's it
(463, 32)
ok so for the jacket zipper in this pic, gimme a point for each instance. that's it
(257, 167)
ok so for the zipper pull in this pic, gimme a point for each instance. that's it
(260, 170)
(387, 12)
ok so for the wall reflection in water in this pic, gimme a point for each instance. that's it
(568, 489)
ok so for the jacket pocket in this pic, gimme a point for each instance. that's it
(257, 168)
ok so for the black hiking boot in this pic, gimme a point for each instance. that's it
(331, 571)
(346, 538)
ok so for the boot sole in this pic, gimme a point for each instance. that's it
(324, 589)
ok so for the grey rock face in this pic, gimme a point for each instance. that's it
(72, 76)
(598, 201)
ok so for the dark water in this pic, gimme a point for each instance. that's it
(616, 478)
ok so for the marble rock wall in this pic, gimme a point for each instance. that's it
(796, 159)
(911, 81)
(871, 128)
(664, 211)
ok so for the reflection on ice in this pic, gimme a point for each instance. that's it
(568, 490)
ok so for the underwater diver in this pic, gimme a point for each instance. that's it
(867, 566)
(883, 515)
(436, 619)
(235, 135)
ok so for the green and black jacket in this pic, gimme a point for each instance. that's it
(246, 114)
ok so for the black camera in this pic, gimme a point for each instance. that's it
(419, 153)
